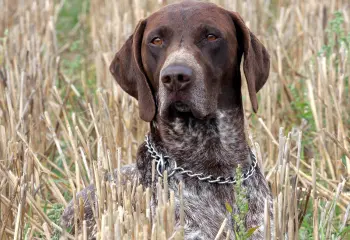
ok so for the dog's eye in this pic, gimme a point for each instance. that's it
(211, 37)
(157, 41)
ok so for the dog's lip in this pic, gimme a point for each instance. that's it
(182, 107)
(180, 103)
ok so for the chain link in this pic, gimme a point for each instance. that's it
(162, 164)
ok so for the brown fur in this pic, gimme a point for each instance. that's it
(189, 88)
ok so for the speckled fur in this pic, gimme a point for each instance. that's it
(214, 147)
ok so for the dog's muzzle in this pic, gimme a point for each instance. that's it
(182, 86)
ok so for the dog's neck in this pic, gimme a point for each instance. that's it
(215, 145)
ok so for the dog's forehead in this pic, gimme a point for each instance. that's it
(188, 7)
(186, 14)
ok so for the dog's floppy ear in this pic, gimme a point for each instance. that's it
(127, 69)
(256, 64)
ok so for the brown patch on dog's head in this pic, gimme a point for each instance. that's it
(186, 57)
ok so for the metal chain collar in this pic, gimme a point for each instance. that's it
(162, 164)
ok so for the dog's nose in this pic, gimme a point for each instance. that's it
(176, 77)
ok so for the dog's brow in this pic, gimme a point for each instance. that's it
(160, 31)
(208, 28)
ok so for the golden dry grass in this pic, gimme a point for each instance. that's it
(64, 123)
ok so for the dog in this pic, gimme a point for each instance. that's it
(182, 64)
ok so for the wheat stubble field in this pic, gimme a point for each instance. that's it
(64, 123)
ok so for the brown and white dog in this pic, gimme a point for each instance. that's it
(182, 64)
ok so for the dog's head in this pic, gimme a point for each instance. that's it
(184, 59)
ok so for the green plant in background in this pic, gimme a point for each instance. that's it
(241, 201)
(25, 230)
(339, 43)
(54, 214)
(337, 231)
(336, 36)
(2, 44)
(336, 41)
(72, 33)
(301, 107)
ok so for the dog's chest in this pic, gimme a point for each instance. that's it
(204, 211)
(214, 148)
(205, 207)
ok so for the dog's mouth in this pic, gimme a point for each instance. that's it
(181, 107)
(185, 110)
